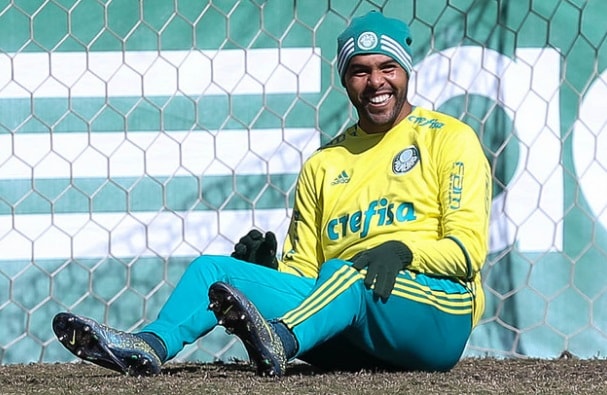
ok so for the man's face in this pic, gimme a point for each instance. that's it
(377, 86)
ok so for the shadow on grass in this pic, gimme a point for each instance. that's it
(237, 367)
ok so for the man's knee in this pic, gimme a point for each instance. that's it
(207, 264)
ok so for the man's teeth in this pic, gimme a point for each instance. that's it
(379, 99)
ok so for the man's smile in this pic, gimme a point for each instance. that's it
(380, 99)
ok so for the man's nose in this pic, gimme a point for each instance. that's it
(376, 78)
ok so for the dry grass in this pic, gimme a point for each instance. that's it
(470, 376)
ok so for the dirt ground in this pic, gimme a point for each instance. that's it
(470, 376)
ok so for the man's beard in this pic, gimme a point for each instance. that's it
(386, 118)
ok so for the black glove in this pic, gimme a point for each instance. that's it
(255, 248)
(383, 264)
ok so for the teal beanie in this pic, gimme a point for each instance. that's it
(374, 33)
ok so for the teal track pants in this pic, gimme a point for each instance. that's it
(338, 322)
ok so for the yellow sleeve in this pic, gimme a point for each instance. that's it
(302, 250)
(464, 179)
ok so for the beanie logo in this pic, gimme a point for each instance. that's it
(367, 41)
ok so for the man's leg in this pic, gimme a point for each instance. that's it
(184, 317)
(424, 325)
(271, 344)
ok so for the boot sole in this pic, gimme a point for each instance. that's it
(84, 339)
(241, 318)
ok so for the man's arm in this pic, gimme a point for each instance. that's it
(302, 251)
(465, 197)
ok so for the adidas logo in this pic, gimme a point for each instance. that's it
(342, 178)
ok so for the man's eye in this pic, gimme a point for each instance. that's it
(359, 72)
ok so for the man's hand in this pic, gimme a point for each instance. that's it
(255, 248)
(383, 264)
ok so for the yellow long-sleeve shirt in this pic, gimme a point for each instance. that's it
(426, 182)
